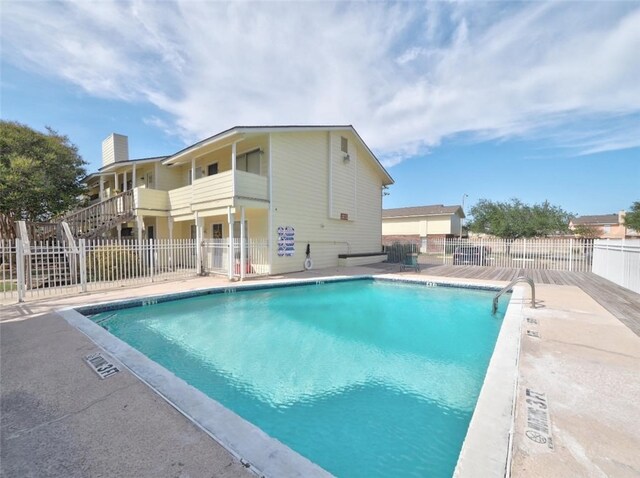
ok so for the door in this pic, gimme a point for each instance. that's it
(216, 234)
(148, 180)
(151, 233)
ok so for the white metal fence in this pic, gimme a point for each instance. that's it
(545, 253)
(41, 269)
(618, 260)
(249, 261)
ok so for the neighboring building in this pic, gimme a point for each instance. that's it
(320, 184)
(610, 225)
(417, 224)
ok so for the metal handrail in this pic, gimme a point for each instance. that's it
(510, 286)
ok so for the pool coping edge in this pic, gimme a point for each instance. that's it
(486, 450)
(243, 439)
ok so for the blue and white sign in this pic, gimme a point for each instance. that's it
(286, 241)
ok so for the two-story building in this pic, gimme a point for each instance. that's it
(420, 223)
(607, 226)
(287, 185)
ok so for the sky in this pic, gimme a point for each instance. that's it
(459, 100)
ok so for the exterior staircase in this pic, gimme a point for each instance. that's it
(50, 263)
(95, 220)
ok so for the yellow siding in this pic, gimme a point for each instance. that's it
(300, 199)
(403, 227)
(180, 201)
(151, 199)
(421, 225)
(251, 186)
(440, 225)
(208, 192)
(343, 174)
(168, 178)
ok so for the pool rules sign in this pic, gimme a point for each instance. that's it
(286, 241)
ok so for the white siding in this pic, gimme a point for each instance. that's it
(301, 163)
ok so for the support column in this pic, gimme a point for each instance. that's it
(140, 225)
(170, 227)
(193, 170)
(243, 238)
(133, 180)
(199, 236)
(124, 183)
(115, 185)
(233, 169)
(231, 258)
(119, 228)
(101, 188)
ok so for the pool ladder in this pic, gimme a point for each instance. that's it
(494, 309)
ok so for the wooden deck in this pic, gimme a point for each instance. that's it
(621, 302)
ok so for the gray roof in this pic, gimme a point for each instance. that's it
(601, 219)
(433, 210)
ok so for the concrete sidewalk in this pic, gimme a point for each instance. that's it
(581, 368)
(59, 419)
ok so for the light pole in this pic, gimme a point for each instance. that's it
(465, 195)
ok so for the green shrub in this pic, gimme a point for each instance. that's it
(112, 262)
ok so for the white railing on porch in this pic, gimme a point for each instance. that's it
(618, 260)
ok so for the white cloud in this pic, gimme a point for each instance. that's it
(406, 75)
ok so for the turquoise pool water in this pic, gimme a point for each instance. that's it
(365, 378)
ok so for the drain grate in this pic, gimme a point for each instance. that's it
(100, 365)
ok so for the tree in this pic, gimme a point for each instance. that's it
(587, 231)
(632, 218)
(514, 219)
(39, 175)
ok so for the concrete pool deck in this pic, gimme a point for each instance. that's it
(59, 419)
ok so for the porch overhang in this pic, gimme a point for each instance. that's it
(223, 140)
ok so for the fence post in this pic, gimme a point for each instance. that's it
(82, 252)
(152, 259)
(444, 251)
(571, 254)
(20, 269)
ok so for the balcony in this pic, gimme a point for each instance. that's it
(216, 192)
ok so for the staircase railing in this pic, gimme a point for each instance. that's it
(93, 220)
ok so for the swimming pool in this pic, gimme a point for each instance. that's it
(361, 377)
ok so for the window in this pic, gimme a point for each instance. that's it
(216, 230)
(249, 162)
(212, 169)
(344, 144)
(606, 229)
(236, 229)
(198, 172)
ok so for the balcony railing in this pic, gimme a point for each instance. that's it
(217, 188)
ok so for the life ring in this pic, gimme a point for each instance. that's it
(308, 264)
